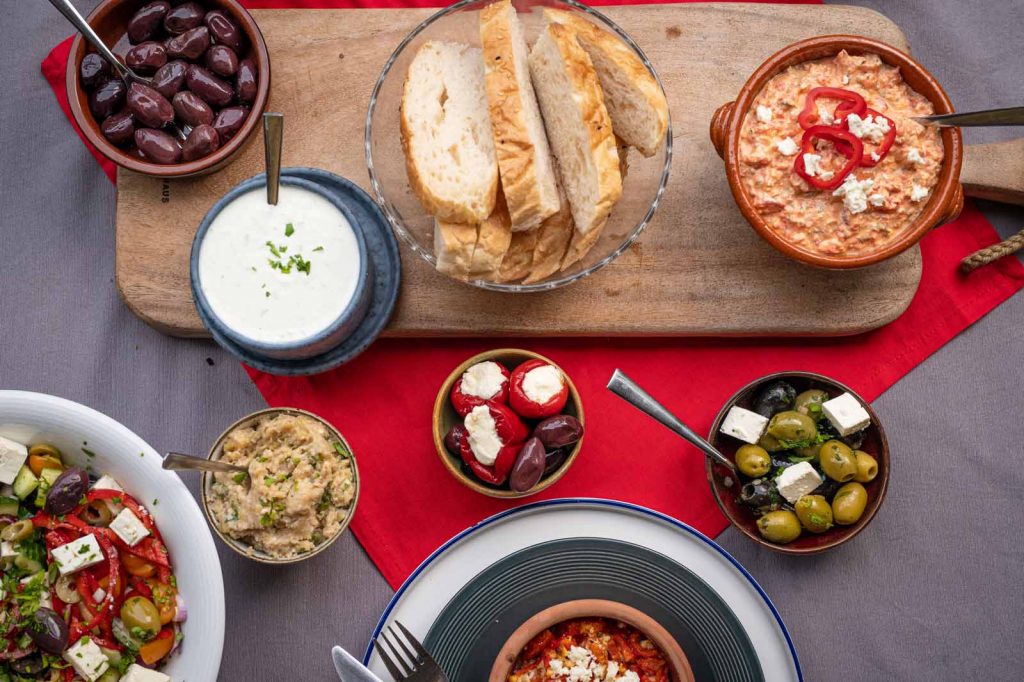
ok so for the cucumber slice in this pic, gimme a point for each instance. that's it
(25, 482)
(46, 479)
(9, 506)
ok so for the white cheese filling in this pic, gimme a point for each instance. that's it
(483, 380)
(543, 383)
(483, 435)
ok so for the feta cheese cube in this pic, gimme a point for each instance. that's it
(128, 527)
(7, 550)
(797, 481)
(743, 424)
(107, 483)
(12, 457)
(81, 553)
(87, 659)
(846, 414)
(136, 673)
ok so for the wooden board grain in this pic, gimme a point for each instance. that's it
(698, 269)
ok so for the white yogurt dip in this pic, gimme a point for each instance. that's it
(277, 274)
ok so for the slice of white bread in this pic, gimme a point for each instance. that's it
(446, 133)
(581, 244)
(635, 101)
(524, 158)
(494, 236)
(454, 244)
(518, 259)
(553, 237)
(577, 125)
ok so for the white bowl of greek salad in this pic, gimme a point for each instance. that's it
(109, 572)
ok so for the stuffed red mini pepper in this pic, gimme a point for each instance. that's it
(494, 434)
(537, 389)
(482, 382)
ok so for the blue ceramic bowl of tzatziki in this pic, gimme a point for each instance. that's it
(288, 281)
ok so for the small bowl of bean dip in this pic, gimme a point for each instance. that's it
(824, 157)
(299, 495)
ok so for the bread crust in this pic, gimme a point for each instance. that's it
(494, 236)
(553, 237)
(593, 37)
(516, 150)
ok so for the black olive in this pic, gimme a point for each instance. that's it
(855, 439)
(761, 496)
(48, 631)
(67, 491)
(775, 397)
(30, 665)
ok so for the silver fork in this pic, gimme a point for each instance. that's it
(406, 659)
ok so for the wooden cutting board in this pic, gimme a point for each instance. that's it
(699, 269)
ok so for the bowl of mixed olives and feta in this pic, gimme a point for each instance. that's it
(812, 462)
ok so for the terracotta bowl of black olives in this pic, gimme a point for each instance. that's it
(812, 462)
(508, 423)
(209, 80)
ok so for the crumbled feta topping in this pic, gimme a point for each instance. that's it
(846, 79)
(917, 193)
(877, 199)
(914, 156)
(868, 127)
(483, 380)
(764, 114)
(875, 157)
(787, 146)
(583, 667)
(812, 164)
(825, 116)
(854, 193)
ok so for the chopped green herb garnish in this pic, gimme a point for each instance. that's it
(88, 452)
(289, 230)
(319, 248)
(239, 477)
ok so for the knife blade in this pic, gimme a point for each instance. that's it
(349, 668)
(1011, 116)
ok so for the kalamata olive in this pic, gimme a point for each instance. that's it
(761, 496)
(157, 146)
(191, 109)
(146, 57)
(248, 81)
(553, 460)
(67, 491)
(191, 44)
(49, 631)
(119, 128)
(453, 439)
(229, 121)
(856, 439)
(222, 60)
(558, 431)
(94, 70)
(30, 665)
(774, 397)
(224, 30)
(183, 18)
(169, 78)
(107, 98)
(146, 21)
(211, 88)
(202, 141)
(529, 466)
(148, 106)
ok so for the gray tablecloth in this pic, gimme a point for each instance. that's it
(932, 591)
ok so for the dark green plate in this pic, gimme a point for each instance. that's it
(470, 631)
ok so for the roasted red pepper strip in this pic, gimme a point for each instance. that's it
(150, 549)
(495, 475)
(464, 403)
(881, 150)
(851, 103)
(846, 143)
(522, 403)
(110, 604)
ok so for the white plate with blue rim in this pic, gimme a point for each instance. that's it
(476, 587)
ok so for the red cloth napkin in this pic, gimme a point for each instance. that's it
(382, 401)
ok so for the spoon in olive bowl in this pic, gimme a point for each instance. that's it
(126, 74)
(624, 387)
(1010, 116)
(177, 461)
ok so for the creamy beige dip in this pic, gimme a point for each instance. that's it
(876, 203)
(300, 487)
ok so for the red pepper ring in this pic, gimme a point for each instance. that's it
(851, 103)
(846, 143)
(881, 150)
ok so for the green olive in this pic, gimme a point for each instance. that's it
(810, 402)
(770, 443)
(141, 613)
(867, 467)
(848, 504)
(753, 461)
(110, 676)
(814, 513)
(792, 426)
(837, 461)
(781, 526)
(811, 451)
(18, 531)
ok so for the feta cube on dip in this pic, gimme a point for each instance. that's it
(743, 424)
(846, 414)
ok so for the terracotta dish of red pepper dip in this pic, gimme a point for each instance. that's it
(831, 158)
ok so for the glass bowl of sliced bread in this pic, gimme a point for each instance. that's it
(518, 146)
